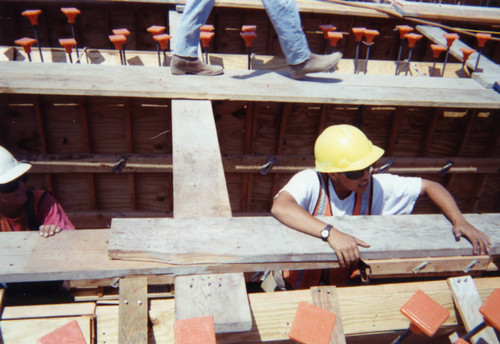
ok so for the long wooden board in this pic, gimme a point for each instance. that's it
(238, 240)
(133, 81)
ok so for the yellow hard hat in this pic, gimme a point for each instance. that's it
(344, 148)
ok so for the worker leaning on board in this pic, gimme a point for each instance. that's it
(22, 209)
(343, 183)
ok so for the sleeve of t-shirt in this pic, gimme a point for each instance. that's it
(304, 187)
(395, 195)
(50, 212)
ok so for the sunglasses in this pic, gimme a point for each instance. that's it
(13, 185)
(353, 175)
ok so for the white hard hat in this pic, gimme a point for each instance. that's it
(10, 168)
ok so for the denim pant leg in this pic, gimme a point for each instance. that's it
(194, 17)
(285, 17)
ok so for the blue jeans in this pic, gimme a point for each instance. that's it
(283, 14)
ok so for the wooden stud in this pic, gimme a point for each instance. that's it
(43, 137)
(88, 149)
(130, 150)
(393, 136)
(285, 114)
(327, 298)
(133, 319)
(436, 116)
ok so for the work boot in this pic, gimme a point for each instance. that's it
(315, 63)
(186, 65)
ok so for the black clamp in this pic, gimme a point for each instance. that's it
(267, 166)
(446, 168)
(119, 165)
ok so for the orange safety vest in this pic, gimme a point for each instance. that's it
(305, 279)
(31, 208)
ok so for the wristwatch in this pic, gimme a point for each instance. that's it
(325, 232)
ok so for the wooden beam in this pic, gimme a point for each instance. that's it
(123, 81)
(133, 320)
(327, 298)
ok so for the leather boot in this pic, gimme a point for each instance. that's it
(315, 63)
(181, 65)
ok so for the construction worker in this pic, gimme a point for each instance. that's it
(286, 20)
(343, 183)
(22, 209)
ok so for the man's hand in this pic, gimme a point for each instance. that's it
(49, 230)
(346, 247)
(478, 239)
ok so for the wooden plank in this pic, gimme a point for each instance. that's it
(124, 81)
(327, 298)
(205, 241)
(199, 182)
(133, 319)
(468, 302)
(47, 311)
(222, 296)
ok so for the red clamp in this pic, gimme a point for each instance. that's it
(32, 16)
(412, 39)
(71, 13)
(327, 28)
(26, 43)
(437, 49)
(162, 40)
(118, 40)
(450, 38)
(370, 35)
(403, 30)
(334, 37)
(359, 32)
(156, 29)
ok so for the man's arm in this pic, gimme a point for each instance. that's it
(461, 227)
(286, 209)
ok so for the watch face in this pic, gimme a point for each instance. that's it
(325, 233)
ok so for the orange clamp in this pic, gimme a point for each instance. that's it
(205, 37)
(482, 38)
(370, 35)
(358, 33)
(491, 309)
(425, 314)
(32, 16)
(334, 37)
(123, 32)
(412, 39)
(207, 28)
(437, 50)
(467, 52)
(248, 37)
(403, 30)
(249, 28)
(118, 41)
(327, 28)
(68, 44)
(26, 43)
(162, 40)
(71, 13)
(156, 30)
(450, 38)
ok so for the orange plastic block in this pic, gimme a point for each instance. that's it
(312, 324)
(32, 16)
(327, 28)
(156, 29)
(482, 38)
(69, 334)
(195, 331)
(26, 43)
(249, 28)
(359, 32)
(412, 39)
(248, 37)
(67, 43)
(162, 40)
(334, 37)
(450, 38)
(205, 37)
(207, 28)
(403, 30)
(491, 309)
(123, 32)
(370, 35)
(118, 41)
(467, 52)
(425, 314)
(461, 341)
(71, 13)
(437, 50)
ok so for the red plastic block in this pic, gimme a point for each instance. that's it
(66, 334)
(26, 43)
(403, 30)
(195, 331)
(312, 324)
(68, 44)
(156, 29)
(71, 13)
(424, 313)
(412, 39)
(32, 16)
(248, 37)
(491, 309)
(437, 50)
(359, 32)
(450, 38)
(162, 40)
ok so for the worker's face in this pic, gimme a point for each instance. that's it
(356, 181)
(12, 197)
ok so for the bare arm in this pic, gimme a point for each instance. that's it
(461, 227)
(286, 209)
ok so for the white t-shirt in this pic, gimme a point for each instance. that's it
(392, 194)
